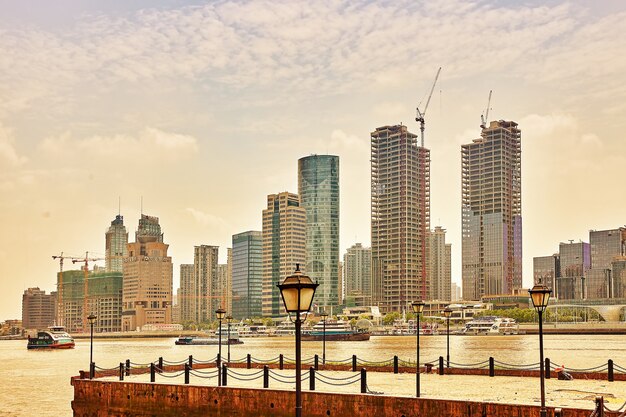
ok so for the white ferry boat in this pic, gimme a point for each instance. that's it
(54, 338)
(252, 330)
(285, 328)
(490, 325)
(335, 330)
(228, 338)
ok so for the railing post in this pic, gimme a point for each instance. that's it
(187, 368)
(547, 368)
(281, 362)
(224, 375)
(441, 369)
(610, 371)
(92, 370)
(127, 367)
(160, 364)
(317, 361)
(249, 361)
(121, 371)
(190, 363)
(492, 368)
(312, 379)
(599, 406)
(395, 364)
(152, 372)
(266, 376)
(363, 381)
(558, 412)
(217, 361)
(353, 363)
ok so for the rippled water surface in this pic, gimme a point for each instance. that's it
(38, 382)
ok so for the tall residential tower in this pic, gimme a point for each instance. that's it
(400, 204)
(492, 212)
(284, 237)
(247, 274)
(116, 241)
(440, 267)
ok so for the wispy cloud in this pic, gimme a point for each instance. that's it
(9, 156)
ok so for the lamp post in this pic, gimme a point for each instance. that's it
(540, 295)
(229, 319)
(92, 318)
(297, 292)
(324, 316)
(447, 312)
(418, 307)
(219, 313)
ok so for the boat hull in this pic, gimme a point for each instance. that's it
(207, 342)
(347, 337)
(51, 346)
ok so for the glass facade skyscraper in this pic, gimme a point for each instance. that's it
(116, 241)
(492, 212)
(247, 274)
(318, 186)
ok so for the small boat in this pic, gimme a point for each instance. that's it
(54, 338)
(335, 330)
(285, 328)
(491, 326)
(227, 339)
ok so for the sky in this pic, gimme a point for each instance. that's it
(203, 109)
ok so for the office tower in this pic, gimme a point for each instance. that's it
(116, 241)
(440, 265)
(400, 205)
(546, 269)
(187, 294)
(575, 262)
(284, 236)
(207, 296)
(318, 186)
(38, 309)
(618, 275)
(247, 281)
(606, 247)
(357, 268)
(492, 212)
(147, 294)
(176, 308)
(72, 291)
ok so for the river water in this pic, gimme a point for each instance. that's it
(38, 382)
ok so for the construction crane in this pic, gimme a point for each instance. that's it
(60, 315)
(86, 260)
(484, 119)
(420, 114)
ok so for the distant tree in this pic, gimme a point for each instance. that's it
(390, 317)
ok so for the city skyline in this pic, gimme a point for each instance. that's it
(117, 100)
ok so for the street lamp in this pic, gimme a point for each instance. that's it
(540, 295)
(219, 313)
(92, 318)
(229, 319)
(418, 307)
(324, 316)
(447, 312)
(297, 292)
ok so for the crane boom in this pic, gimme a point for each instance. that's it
(485, 120)
(421, 114)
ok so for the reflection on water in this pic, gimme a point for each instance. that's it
(37, 382)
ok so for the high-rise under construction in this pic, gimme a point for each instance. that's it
(400, 203)
(492, 211)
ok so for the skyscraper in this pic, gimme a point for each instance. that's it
(400, 207)
(357, 267)
(207, 296)
(187, 294)
(318, 186)
(546, 270)
(492, 212)
(247, 281)
(147, 293)
(284, 236)
(116, 241)
(606, 247)
(575, 262)
(225, 287)
(440, 266)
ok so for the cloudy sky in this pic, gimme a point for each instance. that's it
(204, 109)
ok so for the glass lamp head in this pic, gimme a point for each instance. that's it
(92, 318)
(418, 306)
(297, 291)
(447, 312)
(540, 295)
(220, 313)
